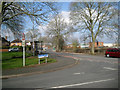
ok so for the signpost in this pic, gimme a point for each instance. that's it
(42, 56)
(23, 45)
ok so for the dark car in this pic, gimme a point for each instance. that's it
(112, 52)
(13, 50)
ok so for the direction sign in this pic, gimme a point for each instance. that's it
(42, 55)
(23, 42)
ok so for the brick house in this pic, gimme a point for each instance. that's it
(4, 42)
(16, 42)
(97, 44)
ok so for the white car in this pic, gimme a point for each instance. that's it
(13, 50)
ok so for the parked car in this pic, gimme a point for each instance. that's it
(13, 50)
(112, 52)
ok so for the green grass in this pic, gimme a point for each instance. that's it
(14, 60)
(10, 55)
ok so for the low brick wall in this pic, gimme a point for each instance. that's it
(3, 50)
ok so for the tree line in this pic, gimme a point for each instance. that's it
(93, 19)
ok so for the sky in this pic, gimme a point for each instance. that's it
(65, 11)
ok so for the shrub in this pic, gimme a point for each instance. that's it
(5, 47)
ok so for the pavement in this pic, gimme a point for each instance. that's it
(62, 62)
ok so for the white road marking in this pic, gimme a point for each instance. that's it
(110, 68)
(76, 58)
(79, 84)
(79, 73)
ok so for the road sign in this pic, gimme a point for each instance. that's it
(42, 55)
(23, 42)
(23, 36)
(23, 39)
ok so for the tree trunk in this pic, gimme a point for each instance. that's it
(57, 47)
(93, 47)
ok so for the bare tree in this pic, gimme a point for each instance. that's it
(75, 43)
(57, 28)
(13, 13)
(94, 18)
(32, 34)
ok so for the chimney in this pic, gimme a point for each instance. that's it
(5, 37)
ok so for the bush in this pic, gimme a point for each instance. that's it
(16, 47)
(28, 48)
(5, 47)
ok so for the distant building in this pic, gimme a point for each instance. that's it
(69, 46)
(28, 43)
(84, 45)
(46, 45)
(97, 44)
(109, 45)
(16, 42)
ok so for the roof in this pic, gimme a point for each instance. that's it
(4, 40)
(16, 41)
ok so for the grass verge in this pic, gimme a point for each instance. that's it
(15, 60)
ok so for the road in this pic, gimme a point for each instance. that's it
(90, 72)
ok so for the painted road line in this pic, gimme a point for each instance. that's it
(78, 73)
(110, 68)
(79, 84)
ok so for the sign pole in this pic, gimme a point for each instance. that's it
(23, 44)
(39, 61)
(46, 59)
(23, 56)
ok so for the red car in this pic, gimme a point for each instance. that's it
(112, 52)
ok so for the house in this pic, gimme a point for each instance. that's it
(97, 44)
(4, 42)
(16, 42)
(71, 46)
(45, 45)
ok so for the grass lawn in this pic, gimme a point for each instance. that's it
(14, 60)
(10, 55)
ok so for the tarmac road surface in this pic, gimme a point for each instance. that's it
(90, 72)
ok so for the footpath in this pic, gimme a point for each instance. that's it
(62, 63)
